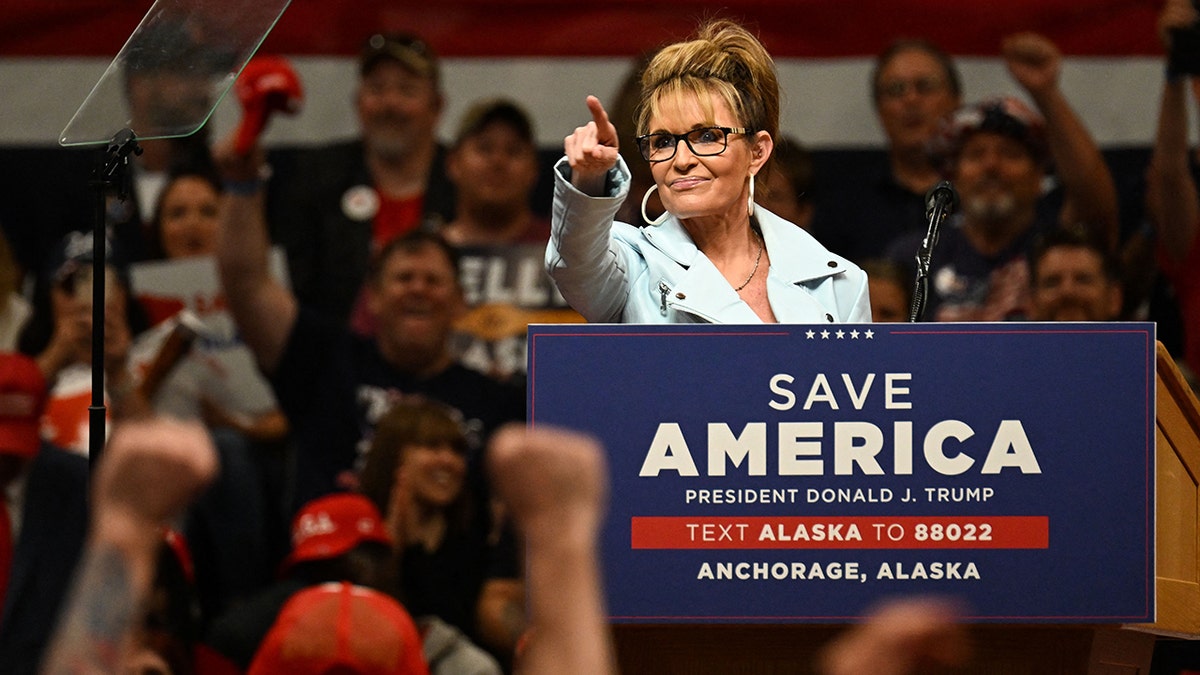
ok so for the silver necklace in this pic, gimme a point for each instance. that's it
(757, 260)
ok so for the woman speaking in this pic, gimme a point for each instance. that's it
(708, 114)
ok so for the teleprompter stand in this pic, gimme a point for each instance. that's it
(182, 58)
(111, 177)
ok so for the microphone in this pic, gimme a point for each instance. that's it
(939, 203)
(941, 196)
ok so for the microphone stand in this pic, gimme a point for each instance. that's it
(111, 175)
(939, 203)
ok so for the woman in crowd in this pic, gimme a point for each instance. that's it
(185, 225)
(708, 118)
(451, 565)
(185, 222)
(193, 366)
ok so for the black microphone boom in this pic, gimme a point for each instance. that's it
(940, 202)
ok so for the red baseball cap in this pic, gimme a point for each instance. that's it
(329, 526)
(22, 399)
(343, 628)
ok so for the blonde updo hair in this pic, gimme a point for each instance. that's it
(725, 60)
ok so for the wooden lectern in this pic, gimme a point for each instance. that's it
(1032, 649)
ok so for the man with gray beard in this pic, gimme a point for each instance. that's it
(332, 207)
(998, 154)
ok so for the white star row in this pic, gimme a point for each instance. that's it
(841, 334)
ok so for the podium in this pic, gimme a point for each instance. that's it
(1169, 438)
(999, 649)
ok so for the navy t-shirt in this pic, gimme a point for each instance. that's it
(965, 285)
(859, 220)
(334, 385)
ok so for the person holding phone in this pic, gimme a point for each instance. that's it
(59, 337)
(707, 121)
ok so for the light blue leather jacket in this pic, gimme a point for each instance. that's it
(612, 272)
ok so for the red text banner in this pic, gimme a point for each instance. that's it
(901, 532)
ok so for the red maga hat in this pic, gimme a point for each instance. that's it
(329, 526)
(22, 399)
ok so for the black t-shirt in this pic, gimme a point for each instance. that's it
(328, 239)
(333, 386)
(965, 285)
(859, 219)
(238, 632)
(446, 582)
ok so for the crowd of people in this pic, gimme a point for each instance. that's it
(342, 330)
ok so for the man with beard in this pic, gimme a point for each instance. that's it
(1073, 279)
(333, 207)
(997, 154)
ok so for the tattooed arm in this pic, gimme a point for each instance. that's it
(150, 471)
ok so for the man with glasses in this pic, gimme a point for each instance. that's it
(336, 205)
(914, 85)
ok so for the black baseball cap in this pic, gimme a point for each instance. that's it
(406, 49)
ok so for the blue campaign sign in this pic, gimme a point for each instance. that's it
(802, 473)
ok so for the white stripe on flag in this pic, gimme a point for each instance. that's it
(827, 102)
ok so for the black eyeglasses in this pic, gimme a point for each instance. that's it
(705, 142)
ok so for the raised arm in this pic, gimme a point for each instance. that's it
(150, 471)
(1171, 199)
(1090, 195)
(555, 485)
(264, 310)
(590, 270)
(592, 150)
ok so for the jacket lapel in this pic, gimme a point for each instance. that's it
(797, 261)
(696, 287)
(798, 264)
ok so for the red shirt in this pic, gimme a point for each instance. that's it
(395, 217)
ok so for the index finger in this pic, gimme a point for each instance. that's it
(599, 114)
